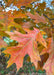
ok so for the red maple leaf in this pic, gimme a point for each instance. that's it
(27, 45)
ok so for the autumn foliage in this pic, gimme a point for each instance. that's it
(33, 30)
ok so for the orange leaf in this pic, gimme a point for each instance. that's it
(48, 49)
(49, 65)
(27, 45)
(37, 18)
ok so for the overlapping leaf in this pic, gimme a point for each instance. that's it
(27, 45)
(49, 65)
(7, 19)
(37, 18)
(48, 49)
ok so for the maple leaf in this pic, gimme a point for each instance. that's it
(15, 14)
(27, 45)
(7, 19)
(49, 65)
(12, 16)
(48, 49)
(37, 18)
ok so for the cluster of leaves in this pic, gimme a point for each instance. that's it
(32, 32)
